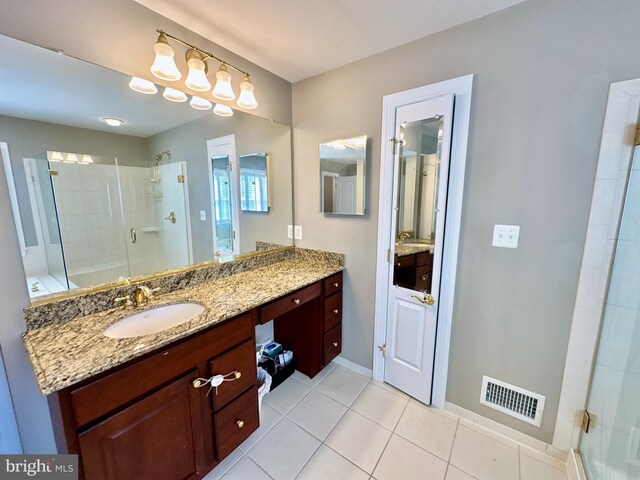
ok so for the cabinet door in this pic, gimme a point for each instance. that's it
(159, 437)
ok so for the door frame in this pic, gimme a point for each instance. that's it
(230, 141)
(461, 88)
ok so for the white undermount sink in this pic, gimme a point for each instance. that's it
(154, 320)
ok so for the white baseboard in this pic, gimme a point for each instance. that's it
(535, 447)
(367, 372)
(575, 470)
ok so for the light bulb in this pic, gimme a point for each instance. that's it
(200, 103)
(71, 158)
(336, 145)
(164, 66)
(222, 110)
(174, 95)
(141, 85)
(113, 122)
(55, 157)
(86, 159)
(223, 89)
(197, 79)
(247, 99)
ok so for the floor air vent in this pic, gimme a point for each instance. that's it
(515, 401)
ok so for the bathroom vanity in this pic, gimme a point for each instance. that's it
(141, 407)
(413, 266)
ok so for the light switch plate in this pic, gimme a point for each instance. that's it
(203, 215)
(298, 229)
(289, 231)
(506, 236)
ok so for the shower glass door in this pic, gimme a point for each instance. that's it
(611, 449)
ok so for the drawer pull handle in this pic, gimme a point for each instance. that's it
(197, 383)
(335, 344)
(336, 284)
(425, 276)
(216, 380)
(399, 264)
(336, 311)
(238, 375)
(240, 423)
(296, 301)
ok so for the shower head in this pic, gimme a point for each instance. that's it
(158, 157)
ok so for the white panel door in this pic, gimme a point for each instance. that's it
(422, 129)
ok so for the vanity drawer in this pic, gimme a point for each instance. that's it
(422, 259)
(288, 303)
(332, 343)
(241, 359)
(95, 399)
(332, 311)
(404, 261)
(333, 284)
(236, 422)
(422, 277)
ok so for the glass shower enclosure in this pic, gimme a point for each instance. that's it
(611, 449)
(114, 220)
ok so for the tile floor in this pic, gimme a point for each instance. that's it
(343, 426)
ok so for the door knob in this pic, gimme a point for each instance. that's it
(427, 299)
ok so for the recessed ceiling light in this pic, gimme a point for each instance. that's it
(113, 122)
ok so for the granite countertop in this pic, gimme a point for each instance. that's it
(402, 250)
(65, 353)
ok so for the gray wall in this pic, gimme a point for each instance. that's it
(543, 69)
(118, 34)
(188, 143)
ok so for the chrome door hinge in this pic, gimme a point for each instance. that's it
(395, 143)
(637, 137)
(383, 349)
(180, 178)
(230, 166)
(588, 421)
(388, 255)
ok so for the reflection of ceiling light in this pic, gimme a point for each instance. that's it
(174, 95)
(141, 85)
(222, 110)
(223, 89)
(55, 156)
(113, 122)
(86, 159)
(337, 145)
(247, 99)
(200, 103)
(197, 79)
(357, 143)
(71, 158)
(164, 66)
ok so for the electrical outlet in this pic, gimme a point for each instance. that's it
(203, 215)
(506, 236)
(289, 231)
(298, 229)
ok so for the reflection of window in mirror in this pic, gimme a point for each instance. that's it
(254, 182)
(342, 176)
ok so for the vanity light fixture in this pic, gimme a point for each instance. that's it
(247, 99)
(56, 157)
(141, 85)
(113, 122)
(197, 78)
(164, 66)
(223, 110)
(86, 160)
(200, 103)
(71, 158)
(174, 95)
(336, 145)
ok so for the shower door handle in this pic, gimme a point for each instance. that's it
(133, 234)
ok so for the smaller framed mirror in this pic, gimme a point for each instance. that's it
(342, 176)
(254, 182)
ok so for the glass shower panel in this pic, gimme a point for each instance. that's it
(87, 199)
(173, 215)
(611, 450)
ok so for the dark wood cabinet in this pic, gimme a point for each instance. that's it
(154, 417)
(413, 271)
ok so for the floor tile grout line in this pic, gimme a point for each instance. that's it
(338, 453)
(455, 433)
(257, 465)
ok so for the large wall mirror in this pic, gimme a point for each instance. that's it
(342, 176)
(95, 199)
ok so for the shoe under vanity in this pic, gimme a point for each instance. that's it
(142, 407)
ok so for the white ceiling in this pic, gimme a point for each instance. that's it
(296, 39)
